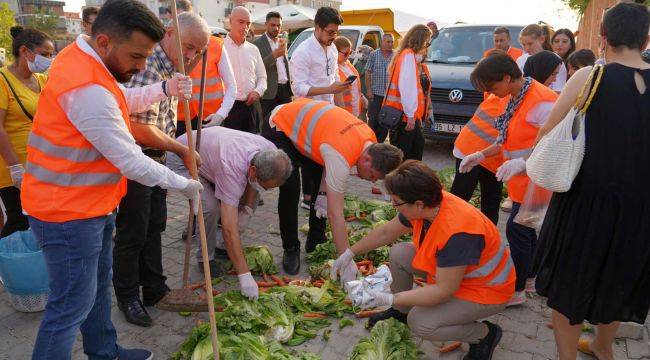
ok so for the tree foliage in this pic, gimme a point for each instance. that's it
(581, 5)
(44, 21)
(6, 22)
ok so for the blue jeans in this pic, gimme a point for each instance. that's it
(79, 260)
(522, 240)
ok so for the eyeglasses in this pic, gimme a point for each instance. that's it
(346, 54)
(396, 205)
(327, 68)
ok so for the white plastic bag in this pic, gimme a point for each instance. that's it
(533, 209)
(361, 290)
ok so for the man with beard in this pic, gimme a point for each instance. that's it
(79, 155)
(143, 211)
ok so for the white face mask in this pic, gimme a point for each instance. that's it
(40, 64)
(419, 58)
(256, 186)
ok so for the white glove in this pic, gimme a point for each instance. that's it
(341, 265)
(192, 191)
(179, 85)
(248, 286)
(470, 161)
(212, 120)
(321, 206)
(378, 299)
(16, 172)
(243, 217)
(511, 168)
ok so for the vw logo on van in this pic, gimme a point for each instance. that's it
(456, 96)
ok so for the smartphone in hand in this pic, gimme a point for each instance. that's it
(350, 79)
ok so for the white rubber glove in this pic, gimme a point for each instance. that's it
(16, 172)
(378, 299)
(470, 161)
(248, 286)
(511, 168)
(192, 191)
(341, 264)
(243, 217)
(212, 120)
(321, 206)
(348, 273)
(180, 86)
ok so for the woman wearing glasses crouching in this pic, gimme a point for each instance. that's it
(468, 271)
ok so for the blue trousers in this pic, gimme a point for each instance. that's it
(522, 240)
(79, 260)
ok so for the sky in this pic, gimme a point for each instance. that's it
(554, 12)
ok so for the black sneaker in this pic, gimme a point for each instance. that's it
(484, 349)
(291, 261)
(387, 314)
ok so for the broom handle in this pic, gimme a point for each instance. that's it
(194, 173)
(199, 124)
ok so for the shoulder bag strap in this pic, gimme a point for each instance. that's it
(594, 88)
(589, 88)
(20, 103)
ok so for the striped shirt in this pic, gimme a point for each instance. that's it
(378, 66)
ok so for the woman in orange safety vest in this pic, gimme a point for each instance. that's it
(351, 99)
(408, 90)
(466, 268)
(528, 108)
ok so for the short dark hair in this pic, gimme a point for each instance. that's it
(88, 11)
(120, 18)
(184, 5)
(327, 15)
(273, 15)
(502, 30)
(385, 157)
(413, 181)
(626, 24)
(31, 38)
(581, 58)
(494, 68)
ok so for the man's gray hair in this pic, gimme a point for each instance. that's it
(190, 21)
(272, 165)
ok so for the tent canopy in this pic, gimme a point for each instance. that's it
(293, 17)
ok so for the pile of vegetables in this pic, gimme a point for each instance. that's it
(388, 339)
(259, 260)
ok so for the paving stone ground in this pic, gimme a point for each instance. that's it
(526, 335)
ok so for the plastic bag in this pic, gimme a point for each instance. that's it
(533, 209)
(22, 265)
(361, 290)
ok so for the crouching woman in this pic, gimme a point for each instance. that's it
(468, 270)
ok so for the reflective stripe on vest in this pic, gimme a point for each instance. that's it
(312, 125)
(64, 152)
(489, 266)
(76, 179)
(517, 153)
(504, 274)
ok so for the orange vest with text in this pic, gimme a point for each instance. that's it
(214, 87)
(393, 96)
(492, 280)
(348, 100)
(479, 132)
(312, 123)
(66, 178)
(521, 135)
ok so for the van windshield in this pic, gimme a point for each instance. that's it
(352, 35)
(465, 45)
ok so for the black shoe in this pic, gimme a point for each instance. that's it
(221, 253)
(216, 270)
(387, 314)
(135, 312)
(484, 349)
(291, 261)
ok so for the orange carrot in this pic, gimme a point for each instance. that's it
(364, 262)
(195, 286)
(350, 218)
(263, 289)
(232, 272)
(314, 315)
(278, 280)
(266, 278)
(286, 279)
(451, 347)
(362, 215)
(266, 284)
(347, 302)
(366, 313)
(215, 292)
(219, 308)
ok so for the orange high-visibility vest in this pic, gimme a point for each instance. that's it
(214, 87)
(479, 132)
(66, 178)
(513, 52)
(521, 135)
(492, 280)
(348, 100)
(312, 123)
(393, 96)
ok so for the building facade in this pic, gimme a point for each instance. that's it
(28, 9)
(73, 23)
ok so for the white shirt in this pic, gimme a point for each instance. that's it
(229, 84)
(250, 74)
(102, 124)
(355, 89)
(312, 66)
(407, 85)
(279, 62)
(556, 85)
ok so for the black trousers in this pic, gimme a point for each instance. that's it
(283, 96)
(137, 254)
(410, 142)
(15, 220)
(373, 118)
(180, 126)
(491, 188)
(290, 194)
(242, 117)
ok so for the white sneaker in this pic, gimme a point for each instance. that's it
(506, 205)
(530, 285)
(517, 299)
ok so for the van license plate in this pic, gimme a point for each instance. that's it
(447, 127)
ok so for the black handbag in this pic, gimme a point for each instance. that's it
(389, 116)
